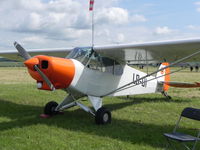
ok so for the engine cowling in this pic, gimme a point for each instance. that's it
(60, 71)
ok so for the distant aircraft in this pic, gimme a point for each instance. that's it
(99, 71)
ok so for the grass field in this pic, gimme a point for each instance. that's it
(138, 123)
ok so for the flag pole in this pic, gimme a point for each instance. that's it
(91, 8)
(92, 28)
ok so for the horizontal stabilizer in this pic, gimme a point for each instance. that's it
(182, 84)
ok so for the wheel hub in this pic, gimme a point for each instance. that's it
(105, 117)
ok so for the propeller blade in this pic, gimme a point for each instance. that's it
(26, 56)
(22, 51)
(45, 78)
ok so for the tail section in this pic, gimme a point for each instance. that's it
(164, 75)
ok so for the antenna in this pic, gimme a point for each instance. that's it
(91, 8)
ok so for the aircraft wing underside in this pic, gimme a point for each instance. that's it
(153, 52)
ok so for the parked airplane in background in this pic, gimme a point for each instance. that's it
(99, 71)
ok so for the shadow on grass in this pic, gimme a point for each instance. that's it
(75, 120)
(138, 100)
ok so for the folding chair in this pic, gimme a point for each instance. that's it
(184, 139)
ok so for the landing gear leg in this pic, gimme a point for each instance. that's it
(166, 95)
(102, 115)
(53, 108)
(68, 102)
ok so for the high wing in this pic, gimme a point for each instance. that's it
(140, 53)
(57, 52)
(152, 52)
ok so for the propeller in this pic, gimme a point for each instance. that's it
(22, 51)
(26, 56)
(45, 78)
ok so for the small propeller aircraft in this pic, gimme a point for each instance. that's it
(99, 71)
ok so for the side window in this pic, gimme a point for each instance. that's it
(112, 66)
(105, 64)
(95, 62)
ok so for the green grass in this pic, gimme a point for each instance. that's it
(138, 123)
(11, 64)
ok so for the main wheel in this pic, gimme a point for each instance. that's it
(103, 116)
(50, 107)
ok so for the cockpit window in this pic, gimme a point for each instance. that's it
(105, 64)
(81, 54)
(95, 61)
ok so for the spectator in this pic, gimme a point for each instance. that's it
(191, 68)
(197, 68)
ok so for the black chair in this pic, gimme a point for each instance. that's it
(184, 139)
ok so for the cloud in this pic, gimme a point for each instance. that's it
(62, 23)
(112, 15)
(197, 3)
(120, 38)
(123, 35)
(138, 18)
(105, 3)
(163, 30)
(198, 6)
(104, 32)
(33, 39)
(57, 19)
(34, 21)
(193, 27)
(51, 18)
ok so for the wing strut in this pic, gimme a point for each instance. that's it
(172, 64)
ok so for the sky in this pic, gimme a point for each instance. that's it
(67, 23)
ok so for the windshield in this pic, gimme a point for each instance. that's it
(81, 54)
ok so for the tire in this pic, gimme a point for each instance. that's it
(103, 116)
(49, 108)
(169, 97)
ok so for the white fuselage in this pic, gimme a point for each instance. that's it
(97, 83)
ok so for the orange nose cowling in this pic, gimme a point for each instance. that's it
(60, 71)
(63, 72)
(30, 63)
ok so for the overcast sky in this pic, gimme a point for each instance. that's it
(66, 23)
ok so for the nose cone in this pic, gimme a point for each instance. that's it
(30, 63)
